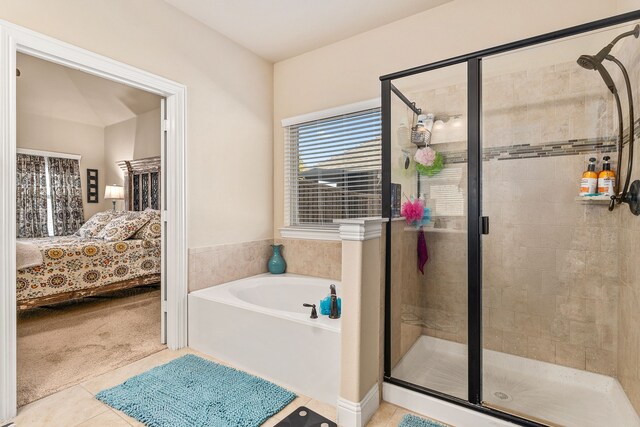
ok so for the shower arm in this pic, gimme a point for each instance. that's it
(623, 197)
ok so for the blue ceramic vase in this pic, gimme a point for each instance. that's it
(277, 264)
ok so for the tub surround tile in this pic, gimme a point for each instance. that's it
(319, 258)
(224, 263)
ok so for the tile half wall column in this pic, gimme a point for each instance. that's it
(360, 327)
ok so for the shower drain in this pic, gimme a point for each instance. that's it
(501, 395)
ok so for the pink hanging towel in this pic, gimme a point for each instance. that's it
(423, 254)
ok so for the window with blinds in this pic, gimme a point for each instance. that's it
(333, 169)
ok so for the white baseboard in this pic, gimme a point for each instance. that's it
(358, 414)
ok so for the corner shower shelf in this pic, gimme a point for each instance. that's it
(593, 200)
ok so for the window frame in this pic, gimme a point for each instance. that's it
(314, 232)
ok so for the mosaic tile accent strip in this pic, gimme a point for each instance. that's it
(560, 148)
(523, 151)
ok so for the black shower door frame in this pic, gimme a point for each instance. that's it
(474, 203)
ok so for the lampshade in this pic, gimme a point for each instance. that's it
(114, 192)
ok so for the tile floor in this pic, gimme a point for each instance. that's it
(76, 406)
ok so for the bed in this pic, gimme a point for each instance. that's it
(76, 267)
(79, 266)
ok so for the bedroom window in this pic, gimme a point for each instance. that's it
(49, 194)
(333, 169)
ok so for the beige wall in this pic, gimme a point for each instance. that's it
(229, 102)
(136, 138)
(49, 134)
(348, 71)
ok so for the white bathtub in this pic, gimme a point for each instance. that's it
(259, 324)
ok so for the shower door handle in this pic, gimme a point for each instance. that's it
(484, 225)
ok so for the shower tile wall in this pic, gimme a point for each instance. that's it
(550, 264)
(557, 103)
(550, 269)
(443, 287)
(629, 257)
(406, 309)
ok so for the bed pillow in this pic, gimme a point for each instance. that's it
(95, 224)
(152, 230)
(123, 226)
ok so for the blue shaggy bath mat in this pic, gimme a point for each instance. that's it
(193, 392)
(413, 421)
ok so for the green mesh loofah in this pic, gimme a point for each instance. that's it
(432, 170)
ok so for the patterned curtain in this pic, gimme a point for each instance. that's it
(31, 196)
(66, 195)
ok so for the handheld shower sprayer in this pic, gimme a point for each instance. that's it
(590, 62)
(594, 62)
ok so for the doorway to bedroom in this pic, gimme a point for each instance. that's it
(14, 40)
(89, 191)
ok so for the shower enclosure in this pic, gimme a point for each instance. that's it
(526, 306)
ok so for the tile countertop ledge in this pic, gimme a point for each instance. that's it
(327, 233)
(360, 228)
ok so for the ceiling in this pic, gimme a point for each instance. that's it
(52, 90)
(280, 29)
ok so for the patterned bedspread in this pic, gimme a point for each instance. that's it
(74, 263)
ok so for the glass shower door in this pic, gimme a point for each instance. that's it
(429, 254)
(550, 271)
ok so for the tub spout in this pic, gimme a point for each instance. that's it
(333, 308)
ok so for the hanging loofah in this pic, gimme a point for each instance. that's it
(434, 168)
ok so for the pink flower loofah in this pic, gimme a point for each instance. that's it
(425, 156)
(412, 211)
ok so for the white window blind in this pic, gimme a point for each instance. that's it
(333, 169)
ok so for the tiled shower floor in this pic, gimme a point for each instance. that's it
(563, 396)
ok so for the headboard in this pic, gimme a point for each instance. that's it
(142, 183)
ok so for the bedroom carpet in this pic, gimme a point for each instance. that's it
(62, 345)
